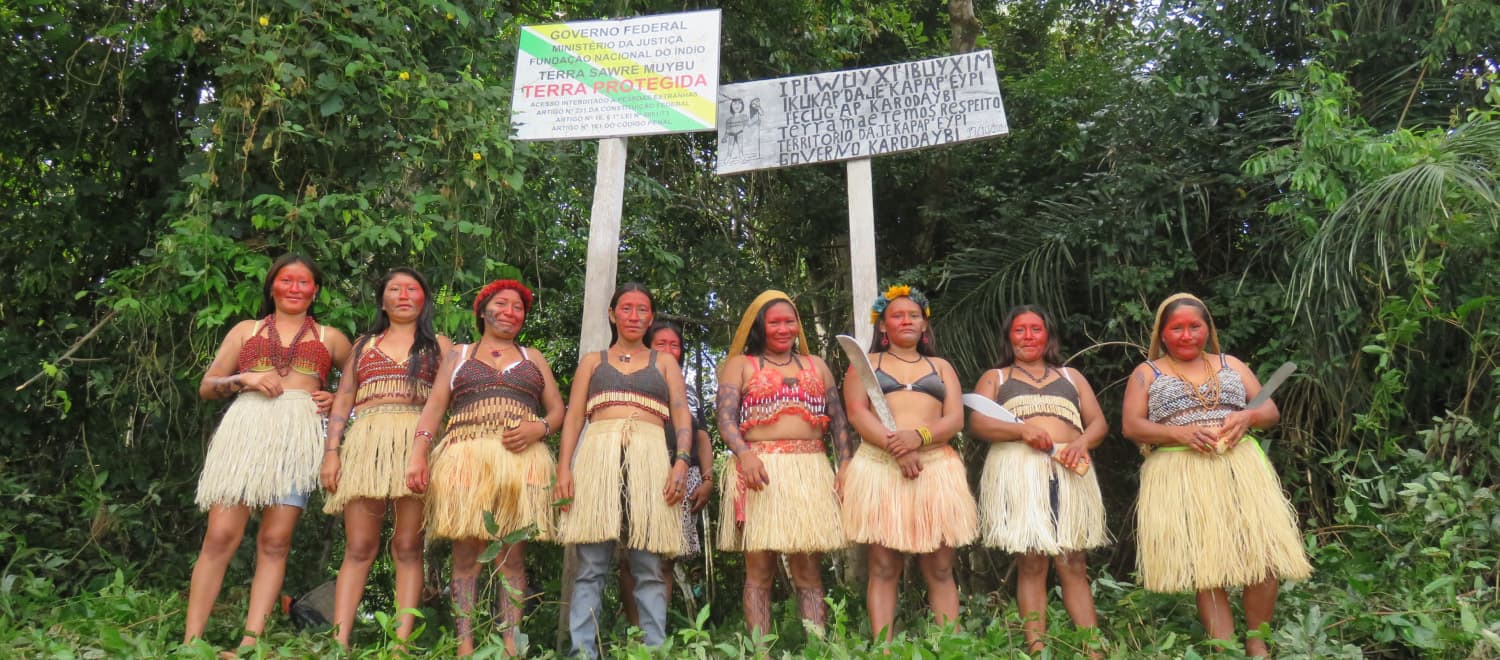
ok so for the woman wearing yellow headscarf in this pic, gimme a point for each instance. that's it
(776, 404)
(1211, 513)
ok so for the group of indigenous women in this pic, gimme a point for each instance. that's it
(452, 440)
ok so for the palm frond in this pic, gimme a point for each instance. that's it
(1387, 221)
(983, 282)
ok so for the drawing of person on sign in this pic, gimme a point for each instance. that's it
(739, 128)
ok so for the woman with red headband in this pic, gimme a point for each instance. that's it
(384, 385)
(501, 402)
(622, 475)
(906, 491)
(266, 452)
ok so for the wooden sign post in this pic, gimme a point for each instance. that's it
(853, 116)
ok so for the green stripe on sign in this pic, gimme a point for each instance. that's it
(635, 100)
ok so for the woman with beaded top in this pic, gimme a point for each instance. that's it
(266, 451)
(1211, 513)
(1029, 504)
(380, 396)
(621, 475)
(666, 337)
(906, 491)
(776, 403)
(501, 402)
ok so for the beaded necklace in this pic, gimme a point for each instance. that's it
(281, 356)
(1206, 401)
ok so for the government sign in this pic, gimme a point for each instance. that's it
(614, 78)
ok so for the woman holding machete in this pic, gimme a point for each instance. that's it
(906, 491)
(1211, 513)
(1049, 511)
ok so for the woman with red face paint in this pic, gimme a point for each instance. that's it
(266, 452)
(384, 384)
(501, 402)
(1029, 503)
(776, 404)
(666, 337)
(622, 475)
(1211, 513)
(907, 491)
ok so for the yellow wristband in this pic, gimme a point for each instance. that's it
(926, 434)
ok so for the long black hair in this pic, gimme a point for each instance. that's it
(614, 333)
(267, 303)
(424, 345)
(1052, 356)
(755, 340)
(926, 345)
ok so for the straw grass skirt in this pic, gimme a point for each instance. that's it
(264, 450)
(798, 511)
(620, 470)
(1215, 520)
(372, 458)
(475, 474)
(908, 515)
(1016, 509)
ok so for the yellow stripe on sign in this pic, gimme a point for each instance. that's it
(604, 57)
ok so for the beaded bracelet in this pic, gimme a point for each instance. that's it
(926, 434)
(546, 427)
(422, 434)
(684, 457)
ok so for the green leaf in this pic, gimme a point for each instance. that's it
(331, 105)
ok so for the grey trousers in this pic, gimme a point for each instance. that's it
(596, 561)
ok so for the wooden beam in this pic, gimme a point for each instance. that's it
(865, 285)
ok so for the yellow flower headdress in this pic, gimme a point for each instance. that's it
(898, 291)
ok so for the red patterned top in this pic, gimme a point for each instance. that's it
(769, 395)
(307, 355)
(381, 377)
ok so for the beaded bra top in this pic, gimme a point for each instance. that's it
(486, 400)
(1171, 401)
(1058, 399)
(644, 389)
(381, 377)
(306, 355)
(769, 395)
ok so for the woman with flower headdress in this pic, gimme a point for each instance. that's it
(501, 402)
(1047, 511)
(364, 469)
(906, 491)
(264, 455)
(776, 403)
(1211, 513)
(622, 475)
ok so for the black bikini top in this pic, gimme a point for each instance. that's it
(931, 384)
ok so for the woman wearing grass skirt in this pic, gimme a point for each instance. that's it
(666, 337)
(1030, 504)
(1211, 513)
(906, 491)
(621, 473)
(385, 383)
(776, 404)
(266, 451)
(501, 402)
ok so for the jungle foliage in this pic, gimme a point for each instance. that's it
(1323, 173)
